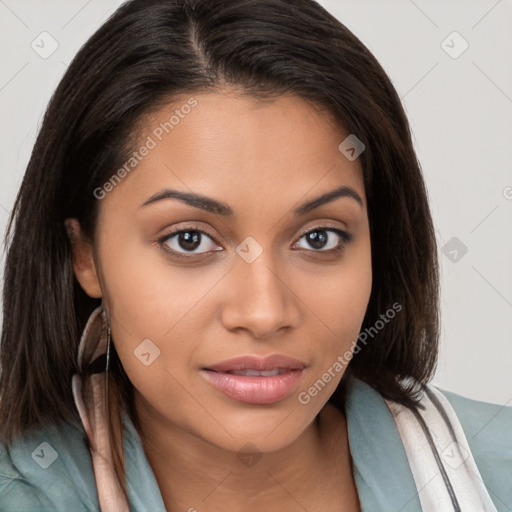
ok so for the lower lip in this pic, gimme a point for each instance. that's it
(254, 390)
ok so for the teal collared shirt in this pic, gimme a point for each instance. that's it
(382, 474)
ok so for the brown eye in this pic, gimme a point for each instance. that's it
(190, 241)
(325, 239)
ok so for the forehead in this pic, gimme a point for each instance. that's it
(226, 145)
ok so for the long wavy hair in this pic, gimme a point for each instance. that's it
(144, 55)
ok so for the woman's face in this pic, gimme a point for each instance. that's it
(255, 272)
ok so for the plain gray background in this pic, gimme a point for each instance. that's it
(450, 62)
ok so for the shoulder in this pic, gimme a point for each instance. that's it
(47, 468)
(15, 492)
(488, 429)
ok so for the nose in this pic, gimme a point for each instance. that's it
(261, 300)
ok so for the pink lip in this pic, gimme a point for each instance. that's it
(258, 363)
(254, 390)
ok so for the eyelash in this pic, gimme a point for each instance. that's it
(344, 236)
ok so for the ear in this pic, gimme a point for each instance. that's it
(83, 259)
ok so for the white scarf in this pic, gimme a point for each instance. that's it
(443, 468)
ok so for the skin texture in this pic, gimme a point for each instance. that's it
(263, 159)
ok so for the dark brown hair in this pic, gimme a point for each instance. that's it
(143, 56)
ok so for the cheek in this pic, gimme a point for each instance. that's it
(158, 311)
(150, 296)
(339, 300)
(341, 296)
(341, 310)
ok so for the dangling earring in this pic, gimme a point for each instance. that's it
(109, 337)
(92, 362)
(104, 312)
(90, 388)
(94, 347)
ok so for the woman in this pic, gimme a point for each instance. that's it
(221, 286)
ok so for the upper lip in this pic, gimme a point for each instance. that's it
(258, 363)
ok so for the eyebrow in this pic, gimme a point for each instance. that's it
(213, 206)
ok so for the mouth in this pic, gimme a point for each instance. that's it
(256, 380)
(254, 386)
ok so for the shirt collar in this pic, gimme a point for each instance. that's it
(382, 473)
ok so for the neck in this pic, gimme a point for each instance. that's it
(193, 474)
